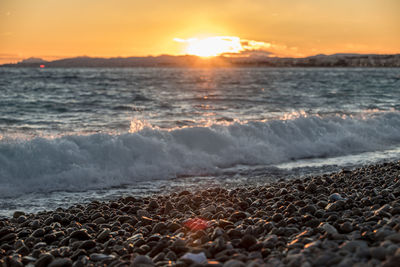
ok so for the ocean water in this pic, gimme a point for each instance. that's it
(75, 135)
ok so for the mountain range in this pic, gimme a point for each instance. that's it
(335, 60)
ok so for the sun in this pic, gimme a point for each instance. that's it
(212, 46)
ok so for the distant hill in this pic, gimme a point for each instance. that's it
(335, 60)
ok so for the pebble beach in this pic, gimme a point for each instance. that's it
(349, 218)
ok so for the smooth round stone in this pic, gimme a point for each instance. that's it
(378, 253)
(158, 227)
(395, 238)
(153, 205)
(99, 220)
(101, 257)
(234, 263)
(38, 232)
(168, 207)
(17, 214)
(335, 206)
(80, 235)
(88, 244)
(8, 237)
(142, 260)
(247, 241)
(171, 256)
(39, 245)
(44, 260)
(328, 228)
(143, 213)
(346, 227)
(21, 219)
(353, 245)
(311, 188)
(24, 250)
(104, 235)
(63, 262)
(277, 217)
(335, 197)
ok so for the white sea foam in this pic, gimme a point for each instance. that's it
(102, 161)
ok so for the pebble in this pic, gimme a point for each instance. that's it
(247, 241)
(104, 235)
(335, 206)
(80, 235)
(44, 260)
(351, 246)
(234, 263)
(346, 227)
(18, 214)
(153, 205)
(395, 238)
(329, 228)
(100, 257)
(62, 262)
(195, 257)
(142, 261)
(378, 253)
(335, 197)
(297, 222)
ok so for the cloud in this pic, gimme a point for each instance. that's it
(233, 46)
(252, 48)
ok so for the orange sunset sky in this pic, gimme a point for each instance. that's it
(53, 29)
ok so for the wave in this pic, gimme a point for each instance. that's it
(78, 162)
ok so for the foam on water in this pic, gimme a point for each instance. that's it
(83, 162)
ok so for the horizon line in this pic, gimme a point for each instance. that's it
(225, 55)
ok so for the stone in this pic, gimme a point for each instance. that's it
(17, 214)
(159, 257)
(277, 217)
(327, 259)
(238, 215)
(101, 257)
(158, 227)
(104, 235)
(44, 260)
(392, 261)
(61, 262)
(335, 197)
(142, 213)
(88, 244)
(247, 241)
(168, 207)
(395, 238)
(153, 205)
(328, 228)
(80, 235)
(351, 246)
(171, 256)
(38, 232)
(146, 220)
(335, 206)
(99, 220)
(142, 261)
(378, 253)
(234, 263)
(311, 188)
(346, 227)
(8, 237)
(199, 258)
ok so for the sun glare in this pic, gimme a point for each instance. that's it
(212, 46)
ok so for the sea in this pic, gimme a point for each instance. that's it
(74, 135)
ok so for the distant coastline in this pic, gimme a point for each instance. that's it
(335, 60)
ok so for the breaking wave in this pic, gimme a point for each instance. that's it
(78, 162)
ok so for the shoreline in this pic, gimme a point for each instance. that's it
(339, 219)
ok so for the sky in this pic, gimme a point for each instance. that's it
(53, 29)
